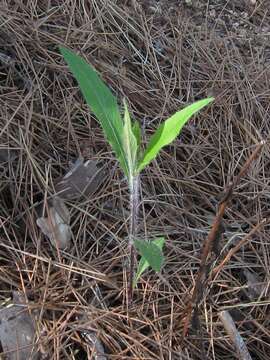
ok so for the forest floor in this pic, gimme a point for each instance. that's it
(160, 56)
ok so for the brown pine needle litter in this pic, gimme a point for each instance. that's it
(159, 55)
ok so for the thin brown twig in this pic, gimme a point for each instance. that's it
(232, 251)
(213, 234)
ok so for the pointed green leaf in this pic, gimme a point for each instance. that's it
(136, 129)
(169, 130)
(129, 143)
(101, 101)
(144, 264)
(151, 252)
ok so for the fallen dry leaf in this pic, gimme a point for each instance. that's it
(7, 155)
(82, 179)
(17, 331)
(255, 286)
(95, 344)
(56, 226)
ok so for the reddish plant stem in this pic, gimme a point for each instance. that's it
(212, 236)
(232, 251)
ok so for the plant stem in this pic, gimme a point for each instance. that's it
(134, 185)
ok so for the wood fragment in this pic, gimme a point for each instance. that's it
(234, 335)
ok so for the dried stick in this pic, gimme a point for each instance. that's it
(234, 335)
(213, 235)
(232, 251)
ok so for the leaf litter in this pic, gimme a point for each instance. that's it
(179, 187)
(56, 226)
(256, 288)
(82, 179)
(17, 331)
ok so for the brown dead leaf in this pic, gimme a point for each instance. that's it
(56, 226)
(82, 179)
(7, 155)
(17, 331)
(255, 285)
(95, 344)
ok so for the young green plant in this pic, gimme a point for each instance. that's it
(124, 137)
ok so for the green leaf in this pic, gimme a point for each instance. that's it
(144, 264)
(101, 101)
(169, 130)
(136, 129)
(151, 252)
(129, 143)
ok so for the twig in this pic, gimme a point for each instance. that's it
(232, 251)
(213, 235)
(234, 335)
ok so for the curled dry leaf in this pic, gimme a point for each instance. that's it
(89, 334)
(255, 286)
(17, 331)
(7, 155)
(82, 179)
(95, 344)
(6, 59)
(56, 226)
